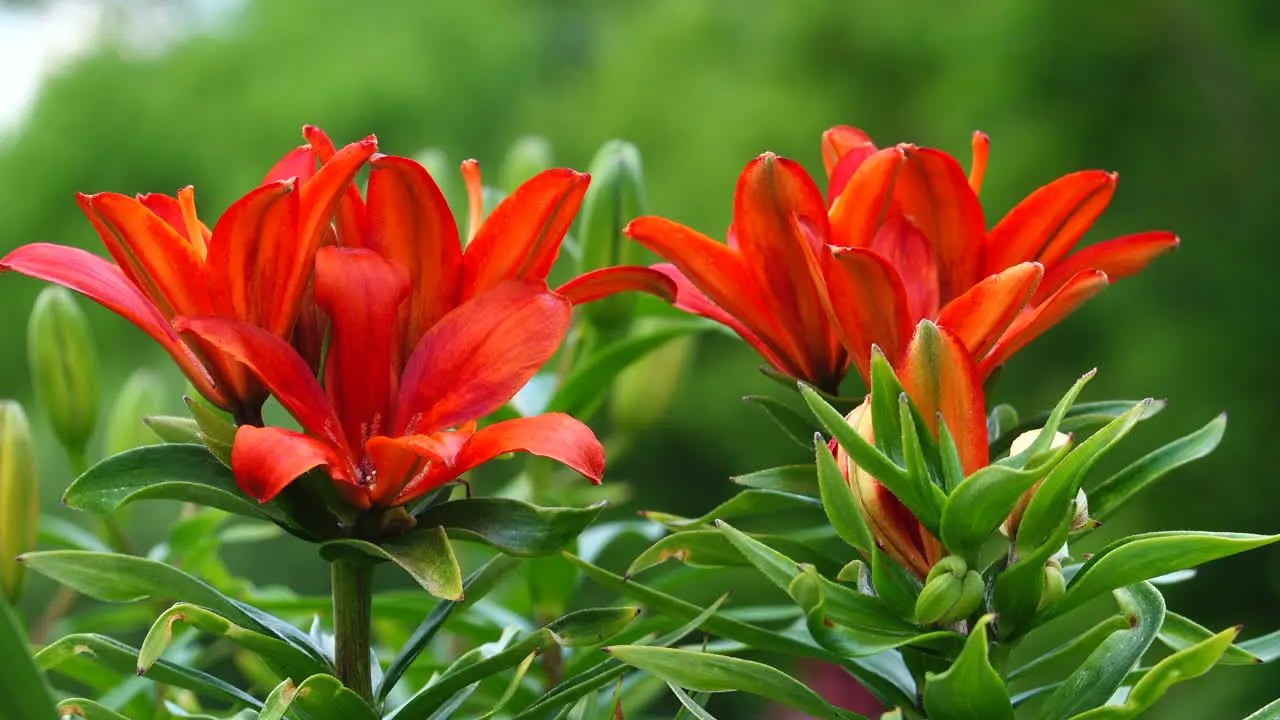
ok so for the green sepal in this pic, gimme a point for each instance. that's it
(971, 687)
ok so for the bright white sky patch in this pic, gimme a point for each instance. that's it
(34, 41)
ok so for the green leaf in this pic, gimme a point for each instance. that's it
(581, 393)
(513, 686)
(514, 527)
(1020, 586)
(592, 626)
(1139, 557)
(1180, 633)
(1265, 648)
(21, 685)
(842, 509)
(67, 535)
(710, 548)
(1059, 661)
(1054, 498)
(122, 659)
(894, 585)
(284, 659)
(979, 504)
(1271, 711)
(319, 697)
(796, 426)
(1077, 417)
(433, 696)
(748, 503)
(705, 672)
(891, 687)
(184, 472)
(794, 479)
(1116, 490)
(810, 592)
(81, 708)
(949, 457)
(173, 429)
(1050, 424)
(425, 554)
(1097, 678)
(1185, 664)
(477, 585)
(970, 688)
(696, 710)
(846, 606)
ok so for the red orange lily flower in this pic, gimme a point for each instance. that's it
(939, 376)
(903, 238)
(387, 436)
(254, 266)
(405, 218)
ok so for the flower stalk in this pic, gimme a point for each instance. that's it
(352, 587)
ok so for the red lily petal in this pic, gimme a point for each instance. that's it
(475, 359)
(1050, 221)
(243, 269)
(404, 460)
(978, 171)
(869, 304)
(475, 197)
(521, 238)
(266, 459)
(844, 149)
(278, 366)
(319, 198)
(410, 221)
(692, 300)
(554, 435)
(781, 223)
(1118, 258)
(1035, 320)
(105, 284)
(717, 271)
(167, 207)
(935, 196)
(940, 377)
(150, 252)
(864, 204)
(979, 317)
(298, 164)
(351, 208)
(608, 281)
(361, 293)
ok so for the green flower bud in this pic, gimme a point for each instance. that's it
(1055, 585)
(63, 368)
(615, 198)
(951, 592)
(19, 496)
(528, 156)
(140, 397)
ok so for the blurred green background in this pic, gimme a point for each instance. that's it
(1179, 96)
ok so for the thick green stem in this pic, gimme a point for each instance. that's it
(352, 606)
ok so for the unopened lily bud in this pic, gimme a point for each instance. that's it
(528, 156)
(1019, 445)
(1055, 585)
(644, 391)
(63, 369)
(615, 198)
(19, 496)
(140, 397)
(894, 528)
(951, 592)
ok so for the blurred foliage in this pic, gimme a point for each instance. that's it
(1179, 96)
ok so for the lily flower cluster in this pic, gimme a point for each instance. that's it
(363, 315)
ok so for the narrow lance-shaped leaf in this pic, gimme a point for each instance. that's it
(318, 697)
(283, 659)
(591, 626)
(748, 503)
(1116, 490)
(838, 502)
(793, 479)
(1185, 664)
(705, 672)
(971, 687)
(710, 548)
(1098, 677)
(1051, 424)
(793, 424)
(21, 684)
(83, 708)
(1180, 633)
